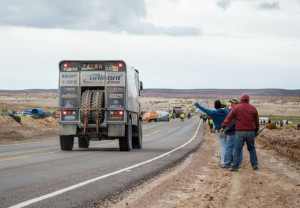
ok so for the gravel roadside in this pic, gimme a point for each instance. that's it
(200, 182)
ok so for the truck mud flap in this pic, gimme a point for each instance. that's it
(116, 130)
(68, 129)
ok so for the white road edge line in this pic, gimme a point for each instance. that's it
(55, 193)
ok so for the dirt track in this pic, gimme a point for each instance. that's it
(199, 182)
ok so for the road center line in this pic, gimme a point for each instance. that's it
(58, 192)
(46, 153)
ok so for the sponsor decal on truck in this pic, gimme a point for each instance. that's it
(100, 78)
(69, 79)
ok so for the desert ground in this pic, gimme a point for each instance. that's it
(31, 129)
(198, 181)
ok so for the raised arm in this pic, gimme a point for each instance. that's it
(208, 112)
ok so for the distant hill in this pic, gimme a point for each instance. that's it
(191, 93)
(208, 93)
(30, 91)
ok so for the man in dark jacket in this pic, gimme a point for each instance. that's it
(230, 139)
(218, 116)
(246, 124)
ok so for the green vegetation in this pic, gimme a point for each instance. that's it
(273, 126)
(17, 119)
(295, 119)
(158, 102)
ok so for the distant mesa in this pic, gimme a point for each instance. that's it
(210, 93)
(191, 93)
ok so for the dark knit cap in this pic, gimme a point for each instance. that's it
(218, 104)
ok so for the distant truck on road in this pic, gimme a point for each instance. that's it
(99, 100)
(177, 111)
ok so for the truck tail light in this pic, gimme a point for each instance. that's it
(116, 115)
(120, 65)
(119, 112)
(66, 65)
(66, 112)
(69, 115)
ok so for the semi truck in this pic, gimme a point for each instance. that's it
(177, 111)
(99, 100)
(150, 116)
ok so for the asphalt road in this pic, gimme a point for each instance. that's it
(38, 174)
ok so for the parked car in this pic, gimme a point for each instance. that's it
(56, 115)
(19, 114)
(27, 112)
(38, 113)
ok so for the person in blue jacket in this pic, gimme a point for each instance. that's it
(218, 115)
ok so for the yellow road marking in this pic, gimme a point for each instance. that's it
(26, 156)
(46, 153)
(155, 132)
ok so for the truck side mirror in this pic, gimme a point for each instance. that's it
(141, 85)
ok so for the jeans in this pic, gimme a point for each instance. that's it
(222, 140)
(240, 138)
(230, 140)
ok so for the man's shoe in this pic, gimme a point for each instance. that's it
(255, 167)
(234, 170)
(226, 166)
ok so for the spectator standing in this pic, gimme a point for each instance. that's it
(230, 139)
(189, 115)
(247, 125)
(211, 125)
(182, 117)
(281, 123)
(218, 115)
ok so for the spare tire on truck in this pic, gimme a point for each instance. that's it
(98, 102)
(86, 103)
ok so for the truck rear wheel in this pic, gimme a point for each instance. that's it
(125, 143)
(66, 142)
(83, 142)
(98, 102)
(137, 140)
(86, 103)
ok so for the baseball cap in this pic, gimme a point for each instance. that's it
(245, 97)
(233, 100)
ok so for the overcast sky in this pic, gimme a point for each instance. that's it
(183, 44)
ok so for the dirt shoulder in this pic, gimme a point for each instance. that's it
(29, 129)
(200, 182)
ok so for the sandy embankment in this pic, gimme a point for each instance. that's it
(28, 129)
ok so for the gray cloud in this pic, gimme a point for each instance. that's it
(119, 16)
(268, 5)
(224, 4)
